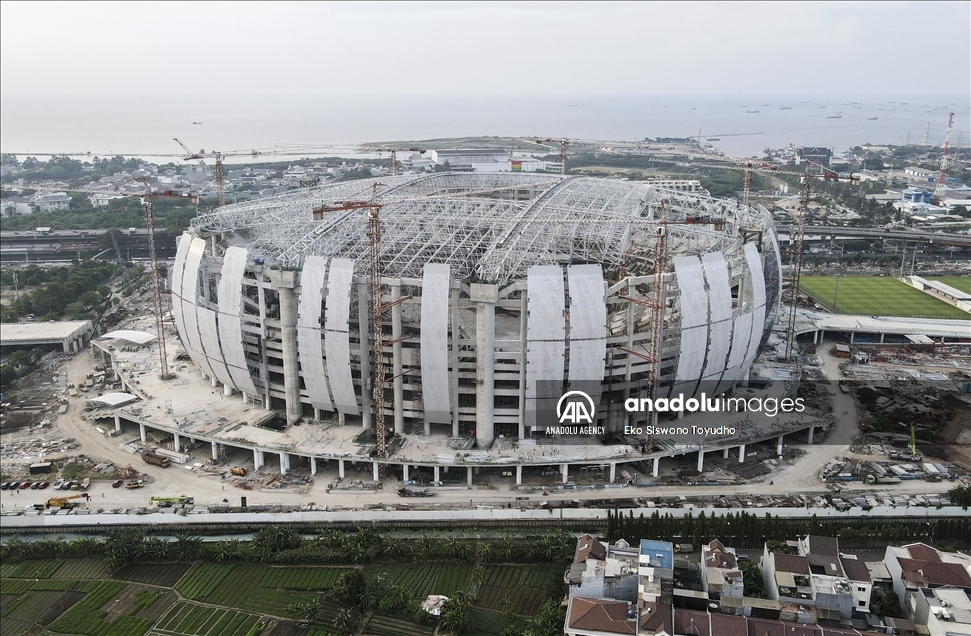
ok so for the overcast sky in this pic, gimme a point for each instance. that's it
(856, 50)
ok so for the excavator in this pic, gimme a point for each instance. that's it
(65, 502)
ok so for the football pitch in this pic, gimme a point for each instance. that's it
(880, 296)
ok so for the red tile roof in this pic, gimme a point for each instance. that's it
(790, 563)
(587, 547)
(604, 615)
(923, 552)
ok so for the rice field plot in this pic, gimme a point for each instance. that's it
(14, 627)
(87, 618)
(301, 578)
(393, 626)
(189, 619)
(519, 589)
(877, 296)
(165, 575)
(64, 585)
(203, 580)
(421, 580)
(14, 586)
(488, 622)
(272, 601)
(82, 569)
(30, 569)
(31, 606)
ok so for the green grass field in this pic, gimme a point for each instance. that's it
(879, 296)
(958, 282)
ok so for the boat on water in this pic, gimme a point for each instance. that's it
(835, 116)
(753, 110)
(785, 108)
(714, 139)
(872, 118)
(197, 123)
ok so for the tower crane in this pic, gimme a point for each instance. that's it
(394, 159)
(149, 209)
(939, 191)
(564, 144)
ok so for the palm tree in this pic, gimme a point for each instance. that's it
(342, 620)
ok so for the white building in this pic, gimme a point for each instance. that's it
(52, 201)
(15, 206)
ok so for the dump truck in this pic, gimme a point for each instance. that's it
(154, 458)
(134, 483)
(65, 502)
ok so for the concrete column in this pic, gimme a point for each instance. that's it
(565, 471)
(701, 460)
(227, 390)
(657, 466)
(313, 465)
(725, 452)
(215, 451)
(778, 448)
(404, 474)
(470, 476)
(117, 423)
(364, 322)
(377, 473)
(141, 432)
(340, 468)
(741, 454)
(815, 337)
(318, 414)
(285, 281)
(613, 472)
(66, 345)
(177, 443)
(283, 463)
(519, 475)
(257, 458)
(484, 297)
(213, 382)
(811, 430)
(437, 478)
(397, 384)
(74, 346)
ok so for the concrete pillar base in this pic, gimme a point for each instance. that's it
(257, 458)
(701, 460)
(227, 390)
(741, 454)
(340, 468)
(177, 443)
(377, 474)
(470, 476)
(565, 471)
(613, 472)
(313, 465)
(436, 474)
(812, 429)
(404, 474)
(117, 423)
(283, 463)
(142, 433)
(725, 453)
(778, 448)
(519, 475)
(215, 451)
(657, 466)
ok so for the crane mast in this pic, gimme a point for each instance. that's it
(377, 324)
(940, 190)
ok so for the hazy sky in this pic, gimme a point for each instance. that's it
(852, 50)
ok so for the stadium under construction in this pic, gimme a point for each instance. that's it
(458, 309)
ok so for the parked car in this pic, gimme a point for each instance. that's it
(24, 485)
(117, 483)
(44, 484)
(58, 484)
(4, 485)
(35, 485)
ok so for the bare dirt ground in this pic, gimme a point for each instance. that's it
(796, 477)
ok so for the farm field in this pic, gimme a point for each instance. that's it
(81, 596)
(877, 296)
